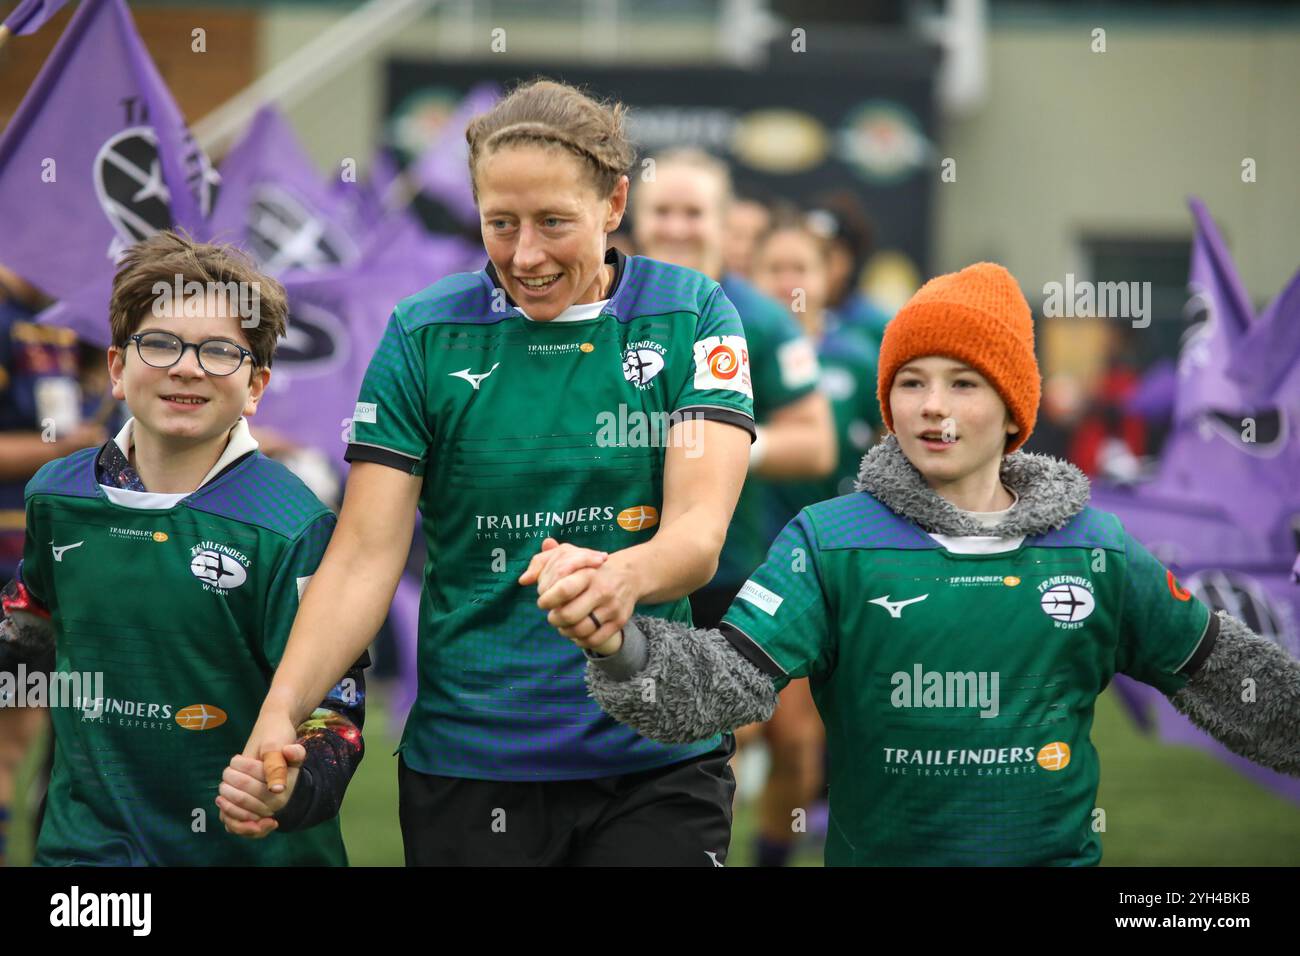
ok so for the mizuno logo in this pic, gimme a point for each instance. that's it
(472, 378)
(895, 608)
(58, 551)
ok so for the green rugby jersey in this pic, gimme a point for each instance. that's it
(848, 380)
(185, 610)
(523, 430)
(958, 689)
(784, 365)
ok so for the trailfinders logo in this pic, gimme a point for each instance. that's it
(220, 567)
(592, 519)
(946, 689)
(977, 762)
(147, 715)
(1067, 599)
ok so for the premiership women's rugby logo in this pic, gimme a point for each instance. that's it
(642, 361)
(1067, 599)
(221, 568)
(722, 361)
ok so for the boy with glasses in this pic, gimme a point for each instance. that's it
(165, 568)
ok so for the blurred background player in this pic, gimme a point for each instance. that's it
(747, 218)
(41, 418)
(841, 219)
(679, 216)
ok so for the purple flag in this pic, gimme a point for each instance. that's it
(277, 206)
(1232, 444)
(97, 157)
(30, 15)
(1266, 362)
(1219, 304)
(364, 199)
(442, 170)
(1227, 568)
(336, 320)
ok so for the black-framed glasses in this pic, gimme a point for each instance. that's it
(163, 350)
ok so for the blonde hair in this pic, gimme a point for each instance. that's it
(692, 157)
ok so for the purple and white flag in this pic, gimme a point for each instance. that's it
(276, 205)
(96, 158)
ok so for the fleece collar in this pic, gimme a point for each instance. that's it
(1051, 492)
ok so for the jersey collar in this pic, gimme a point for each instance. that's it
(1050, 492)
(613, 257)
(114, 471)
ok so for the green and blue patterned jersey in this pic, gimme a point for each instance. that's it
(183, 612)
(957, 689)
(524, 430)
(784, 365)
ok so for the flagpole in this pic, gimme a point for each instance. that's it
(342, 44)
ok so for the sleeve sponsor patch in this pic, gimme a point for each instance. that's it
(760, 597)
(798, 362)
(365, 413)
(722, 361)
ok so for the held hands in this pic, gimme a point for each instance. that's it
(246, 799)
(579, 587)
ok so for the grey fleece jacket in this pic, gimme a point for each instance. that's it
(675, 683)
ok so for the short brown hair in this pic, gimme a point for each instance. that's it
(562, 116)
(168, 257)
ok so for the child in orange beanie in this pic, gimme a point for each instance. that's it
(957, 619)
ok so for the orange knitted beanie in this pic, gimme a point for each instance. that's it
(978, 316)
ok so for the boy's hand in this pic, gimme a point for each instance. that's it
(246, 801)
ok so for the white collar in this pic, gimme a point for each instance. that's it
(983, 544)
(574, 313)
(239, 443)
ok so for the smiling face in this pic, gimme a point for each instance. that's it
(544, 227)
(184, 406)
(680, 218)
(950, 422)
(789, 261)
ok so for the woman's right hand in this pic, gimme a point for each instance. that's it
(556, 561)
(274, 730)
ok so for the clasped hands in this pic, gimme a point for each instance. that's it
(589, 595)
(576, 586)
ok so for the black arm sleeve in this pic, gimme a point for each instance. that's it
(332, 736)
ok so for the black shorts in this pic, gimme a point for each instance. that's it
(679, 815)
